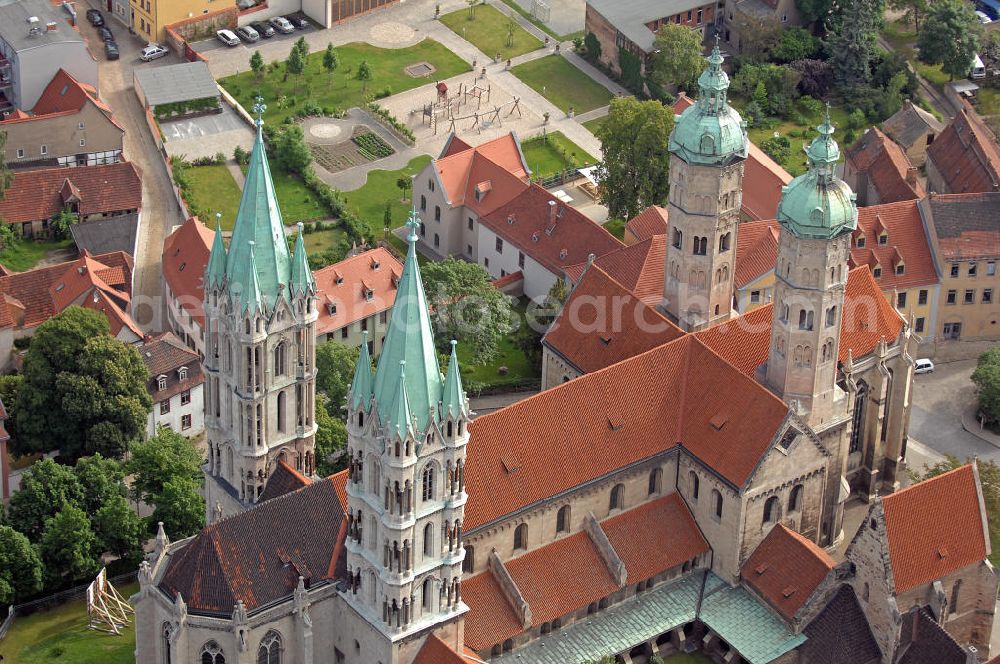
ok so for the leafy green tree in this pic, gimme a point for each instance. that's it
(20, 567)
(778, 148)
(180, 507)
(167, 455)
(986, 378)
(813, 11)
(331, 439)
(852, 46)
(335, 364)
(780, 87)
(365, 74)
(634, 172)
(631, 71)
(914, 10)
(759, 36)
(466, 306)
(405, 183)
(291, 150)
(511, 31)
(677, 59)
(302, 46)
(796, 43)
(593, 47)
(330, 60)
(257, 64)
(119, 529)
(6, 176)
(10, 385)
(46, 487)
(295, 64)
(101, 479)
(59, 224)
(69, 547)
(8, 238)
(951, 37)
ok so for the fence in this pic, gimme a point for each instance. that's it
(49, 601)
(563, 177)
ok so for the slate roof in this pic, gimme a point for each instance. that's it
(185, 256)
(910, 124)
(651, 221)
(638, 267)
(101, 236)
(935, 527)
(906, 245)
(284, 479)
(966, 154)
(966, 224)
(785, 569)
(164, 355)
(630, 18)
(37, 195)
(376, 269)
(840, 633)
(174, 83)
(924, 641)
(887, 167)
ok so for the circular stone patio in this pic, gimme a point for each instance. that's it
(392, 32)
(325, 130)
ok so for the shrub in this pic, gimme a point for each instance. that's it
(778, 148)
(241, 156)
(593, 46)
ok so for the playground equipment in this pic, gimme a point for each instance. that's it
(448, 108)
(107, 610)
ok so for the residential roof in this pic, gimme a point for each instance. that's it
(341, 288)
(65, 93)
(785, 569)
(590, 337)
(38, 195)
(910, 124)
(174, 83)
(756, 250)
(484, 177)
(164, 355)
(615, 416)
(763, 179)
(886, 165)
(630, 18)
(549, 231)
(841, 633)
(923, 641)
(651, 221)
(966, 154)
(14, 17)
(185, 256)
(906, 244)
(965, 224)
(638, 267)
(284, 479)
(935, 527)
(101, 236)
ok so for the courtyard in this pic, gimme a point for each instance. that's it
(563, 84)
(491, 32)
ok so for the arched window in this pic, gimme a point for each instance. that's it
(795, 499)
(427, 593)
(269, 651)
(617, 497)
(423, 203)
(831, 316)
(695, 484)
(802, 319)
(165, 643)
(563, 519)
(521, 537)
(429, 540)
(717, 503)
(508, 645)
(866, 592)
(279, 359)
(678, 238)
(655, 480)
(427, 482)
(211, 653)
(469, 562)
(809, 320)
(281, 412)
(724, 241)
(372, 588)
(229, 464)
(771, 510)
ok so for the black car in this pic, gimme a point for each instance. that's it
(105, 33)
(111, 50)
(263, 29)
(95, 17)
(298, 20)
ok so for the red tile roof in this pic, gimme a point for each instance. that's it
(785, 569)
(610, 418)
(638, 267)
(763, 179)
(966, 155)
(886, 166)
(452, 145)
(965, 224)
(665, 522)
(284, 479)
(36, 195)
(935, 527)
(496, 167)
(906, 245)
(185, 256)
(343, 286)
(603, 323)
(64, 95)
(436, 651)
(651, 221)
(490, 619)
(756, 250)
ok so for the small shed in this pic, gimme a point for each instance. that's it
(176, 89)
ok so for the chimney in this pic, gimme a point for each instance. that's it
(552, 218)
(911, 176)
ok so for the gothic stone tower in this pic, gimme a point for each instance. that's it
(708, 147)
(260, 351)
(407, 433)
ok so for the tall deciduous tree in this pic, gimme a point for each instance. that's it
(291, 150)
(330, 60)
(852, 46)
(677, 57)
(813, 11)
(101, 481)
(915, 10)
(164, 456)
(69, 547)
(20, 567)
(634, 172)
(951, 37)
(335, 365)
(257, 64)
(46, 488)
(331, 439)
(986, 378)
(180, 507)
(119, 529)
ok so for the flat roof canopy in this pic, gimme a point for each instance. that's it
(174, 83)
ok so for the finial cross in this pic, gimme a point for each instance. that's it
(414, 225)
(259, 107)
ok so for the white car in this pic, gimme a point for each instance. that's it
(282, 24)
(923, 367)
(152, 52)
(983, 17)
(228, 37)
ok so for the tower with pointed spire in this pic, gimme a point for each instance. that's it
(260, 315)
(407, 434)
(708, 147)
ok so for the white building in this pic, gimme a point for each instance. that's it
(176, 385)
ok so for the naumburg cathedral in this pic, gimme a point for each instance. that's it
(687, 498)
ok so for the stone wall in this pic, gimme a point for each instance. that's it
(205, 25)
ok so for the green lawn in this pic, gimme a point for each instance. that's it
(388, 72)
(556, 79)
(320, 241)
(212, 190)
(369, 201)
(546, 155)
(519, 369)
(489, 31)
(297, 202)
(616, 227)
(26, 254)
(61, 635)
(595, 124)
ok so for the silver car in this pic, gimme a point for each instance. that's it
(228, 37)
(247, 34)
(282, 24)
(152, 52)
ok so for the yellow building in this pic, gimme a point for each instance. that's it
(150, 17)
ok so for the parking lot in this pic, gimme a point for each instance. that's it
(206, 135)
(213, 44)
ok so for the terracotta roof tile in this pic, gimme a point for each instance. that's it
(965, 154)
(763, 179)
(638, 267)
(756, 250)
(452, 145)
(906, 243)
(185, 256)
(910, 123)
(965, 225)
(164, 355)
(887, 167)
(490, 619)
(785, 569)
(436, 651)
(934, 528)
(35, 195)
(497, 162)
(284, 479)
(63, 93)
(654, 537)
(651, 221)
(376, 269)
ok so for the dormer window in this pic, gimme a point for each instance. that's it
(375, 264)
(339, 281)
(900, 269)
(161, 382)
(877, 272)
(331, 308)
(883, 239)
(369, 294)
(182, 373)
(860, 242)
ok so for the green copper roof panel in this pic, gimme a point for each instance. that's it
(410, 339)
(454, 400)
(361, 386)
(302, 280)
(215, 271)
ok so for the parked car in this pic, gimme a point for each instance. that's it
(111, 50)
(263, 29)
(298, 20)
(282, 25)
(105, 33)
(923, 366)
(228, 38)
(247, 34)
(95, 17)
(983, 17)
(152, 52)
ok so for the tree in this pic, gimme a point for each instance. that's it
(815, 76)
(405, 183)
(20, 567)
(759, 36)
(387, 219)
(59, 224)
(302, 47)
(102, 480)
(914, 10)
(167, 455)
(511, 30)
(813, 11)
(852, 45)
(951, 37)
(777, 148)
(986, 378)
(472, 8)
(365, 74)
(120, 530)
(335, 364)
(593, 47)
(634, 172)
(6, 176)
(780, 87)
(69, 547)
(180, 507)
(8, 238)
(677, 60)
(330, 60)
(331, 439)
(466, 306)
(257, 64)
(291, 150)
(295, 64)
(10, 384)
(796, 43)
(46, 487)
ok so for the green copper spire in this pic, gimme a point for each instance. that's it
(399, 417)
(361, 386)
(453, 401)
(409, 338)
(302, 277)
(251, 298)
(710, 131)
(259, 220)
(215, 272)
(818, 204)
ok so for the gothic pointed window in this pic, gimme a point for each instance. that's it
(211, 653)
(429, 540)
(795, 499)
(269, 651)
(469, 562)
(655, 480)
(282, 426)
(562, 519)
(772, 510)
(427, 483)
(427, 593)
(717, 503)
(521, 537)
(695, 484)
(165, 643)
(617, 497)
(279, 359)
